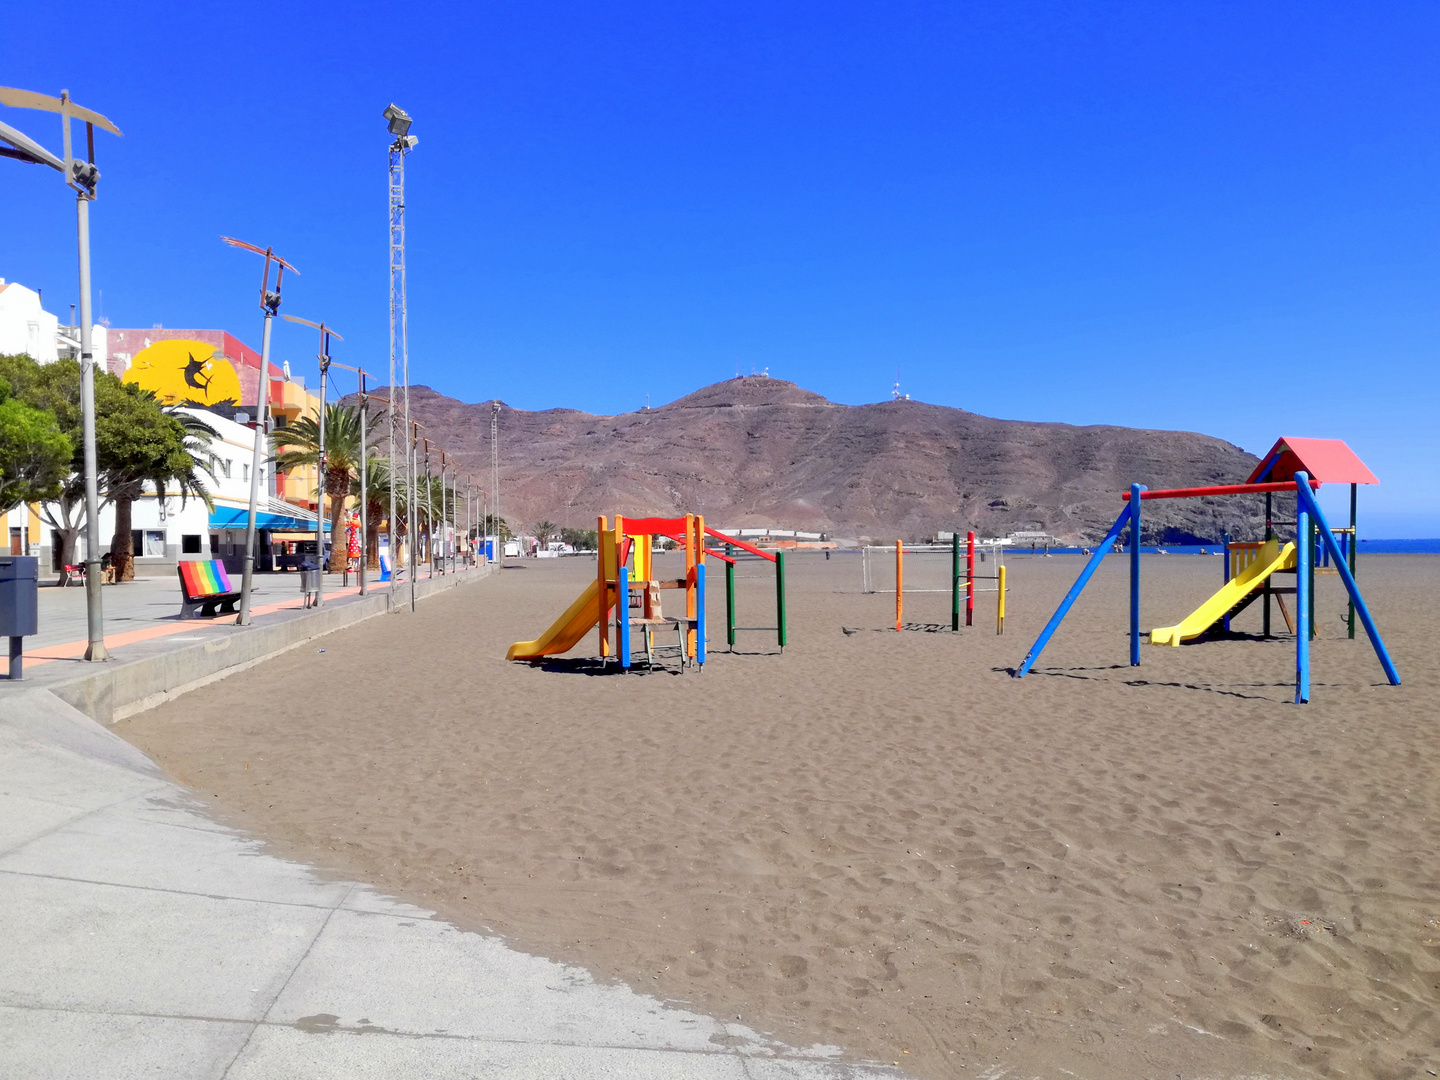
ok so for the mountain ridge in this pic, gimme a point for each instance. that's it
(756, 450)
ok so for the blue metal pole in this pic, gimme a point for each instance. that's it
(1309, 503)
(622, 612)
(1135, 490)
(700, 614)
(1304, 552)
(1075, 590)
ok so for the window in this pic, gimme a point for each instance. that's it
(224, 466)
(190, 544)
(147, 543)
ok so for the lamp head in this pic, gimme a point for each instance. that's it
(398, 119)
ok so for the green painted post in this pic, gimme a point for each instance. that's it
(1354, 549)
(780, 597)
(955, 581)
(730, 604)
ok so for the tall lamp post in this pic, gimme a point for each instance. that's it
(364, 467)
(83, 177)
(398, 122)
(269, 304)
(324, 357)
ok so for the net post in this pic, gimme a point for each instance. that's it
(781, 632)
(730, 605)
(970, 577)
(899, 584)
(955, 580)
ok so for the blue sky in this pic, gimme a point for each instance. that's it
(1211, 217)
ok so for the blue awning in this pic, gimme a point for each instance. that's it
(229, 517)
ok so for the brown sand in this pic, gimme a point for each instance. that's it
(883, 841)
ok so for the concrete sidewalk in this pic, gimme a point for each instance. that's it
(144, 940)
(159, 655)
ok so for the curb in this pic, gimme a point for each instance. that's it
(121, 690)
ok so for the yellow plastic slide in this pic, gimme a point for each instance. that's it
(567, 631)
(1271, 558)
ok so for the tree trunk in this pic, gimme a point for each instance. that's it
(68, 534)
(338, 481)
(122, 551)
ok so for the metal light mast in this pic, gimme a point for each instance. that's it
(81, 175)
(399, 122)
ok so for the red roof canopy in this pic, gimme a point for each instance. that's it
(1329, 461)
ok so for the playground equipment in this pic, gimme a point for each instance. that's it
(1299, 465)
(1259, 563)
(625, 583)
(962, 578)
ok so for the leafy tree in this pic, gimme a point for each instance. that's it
(35, 455)
(134, 439)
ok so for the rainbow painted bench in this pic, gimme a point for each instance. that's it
(204, 586)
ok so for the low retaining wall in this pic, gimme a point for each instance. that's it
(116, 691)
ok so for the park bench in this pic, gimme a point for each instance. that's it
(204, 585)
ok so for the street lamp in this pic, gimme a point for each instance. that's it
(398, 123)
(269, 304)
(364, 467)
(83, 177)
(324, 357)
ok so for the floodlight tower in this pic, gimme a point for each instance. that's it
(398, 122)
(324, 357)
(83, 177)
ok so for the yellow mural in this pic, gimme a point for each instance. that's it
(185, 373)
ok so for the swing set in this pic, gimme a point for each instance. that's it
(1298, 465)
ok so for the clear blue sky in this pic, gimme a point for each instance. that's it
(1214, 217)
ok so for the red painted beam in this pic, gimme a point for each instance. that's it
(742, 545)
(1221, 489)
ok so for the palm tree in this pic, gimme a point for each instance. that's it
(377, 505)
(298, 444)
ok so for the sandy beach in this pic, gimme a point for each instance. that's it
(883, 841)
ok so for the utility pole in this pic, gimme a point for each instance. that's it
(269, 304)
(324, 357)
(83, 177)
(398, 122)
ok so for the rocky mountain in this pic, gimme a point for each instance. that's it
(763, 451)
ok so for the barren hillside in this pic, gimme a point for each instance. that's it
(763, 451)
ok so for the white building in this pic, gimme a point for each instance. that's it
(26, 327)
